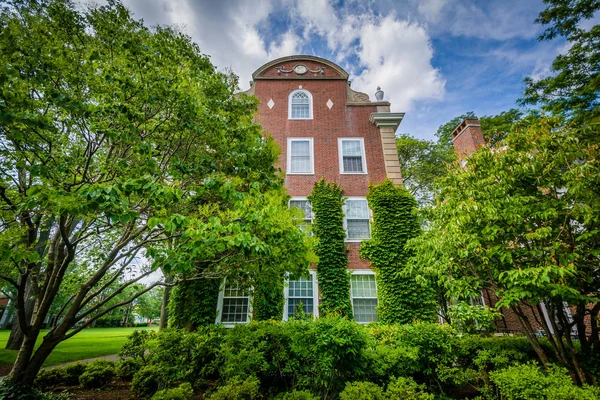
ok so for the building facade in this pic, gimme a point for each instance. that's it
(325, 130)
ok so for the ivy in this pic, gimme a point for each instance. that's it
(268, 300)
(194, 303)
(401, 298)
(332, 267)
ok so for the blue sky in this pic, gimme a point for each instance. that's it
(434, 59)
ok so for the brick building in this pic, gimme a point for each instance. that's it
(325, 130)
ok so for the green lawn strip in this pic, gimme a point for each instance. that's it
(89, 343)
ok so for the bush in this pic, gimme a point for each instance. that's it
(530, 382)
(136, 344)
(60, 376)
(299, 395)
(362, 391)
(97, 374)
(148, 380)
(12, 391)
(236, 389)
(406, 389)
(127, 368)
(182, 392)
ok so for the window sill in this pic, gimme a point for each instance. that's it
(355, 240)
(299, 119)
(353, 173)
(300, 173)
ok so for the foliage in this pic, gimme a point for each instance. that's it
(121, 141)
(529, 382)
(148, 305)
(9, 390)
(496, 127)
(401, 298)
(181, 392)
(299, 395)
(194, 303)
(268, 300)
(573, 89)
(237, 389)
(407, 389)
(362, 391)
(524, 221)
(97, 374)
(127, 368)
(67, 376)
(473, 318)
(421, 163)
(148, 379)
(328, 226)
(136, 344)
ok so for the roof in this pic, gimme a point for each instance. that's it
(299, 58)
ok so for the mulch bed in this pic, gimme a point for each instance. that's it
(118, 390)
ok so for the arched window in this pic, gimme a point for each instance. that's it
(300, 105)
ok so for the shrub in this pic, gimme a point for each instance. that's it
(236, 389)
(182, 392)
(530, 382)
(11, 391)
(97, 374)
(148, 380)
(136, 345)
(60, 376)
(362, 391)
(299, 395)
(127, 368)
(406, 389)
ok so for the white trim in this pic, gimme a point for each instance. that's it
(311, 148)
(346, 220)
(363, 155)
(220, 307)
(363, 272)
(286, 295)
(310, 104)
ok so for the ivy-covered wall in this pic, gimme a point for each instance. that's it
(328, 227)
(194, 303)
(401, 298)
(268, 300)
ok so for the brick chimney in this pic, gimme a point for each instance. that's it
(467, 138)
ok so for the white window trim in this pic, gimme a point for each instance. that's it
(310, 104)
(311, 148)
(363, 156)
(346, 220)
(363, 272)
(220, 307)
(286, 295)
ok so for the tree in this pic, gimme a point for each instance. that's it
(148, 305)
(574, 88)
(121, 146)
(523, 220)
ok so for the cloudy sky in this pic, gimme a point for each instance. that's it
(434, 59)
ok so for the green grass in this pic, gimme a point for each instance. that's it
(89, 343)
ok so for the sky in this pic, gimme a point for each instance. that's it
(434, 59)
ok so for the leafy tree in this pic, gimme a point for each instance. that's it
(119, 146)
(524, 222)
(496, 127)
(148, 305)
(573, 90)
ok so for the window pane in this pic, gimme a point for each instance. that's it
(358, 229)
(363, 286)
(300, 156)
(357, 209)
(352, 164)
(294, 304)
(304, 205)
(302, 287)
(300, 111)
(351, 148)
(364, 310)
(300, 164)
(235, 310)
(300, 148)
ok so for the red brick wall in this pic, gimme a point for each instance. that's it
(325, 128)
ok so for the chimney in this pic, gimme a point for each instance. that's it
(467, 138)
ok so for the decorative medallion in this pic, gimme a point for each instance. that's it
(300, 69)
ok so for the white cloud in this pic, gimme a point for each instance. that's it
(431, 9)
(397, 56)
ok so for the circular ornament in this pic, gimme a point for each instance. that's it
(300, 69)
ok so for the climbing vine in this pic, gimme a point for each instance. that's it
(334, 280)
(268, 300)
(194, 303)
(401, 298)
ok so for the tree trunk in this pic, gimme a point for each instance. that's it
(28, 363)
(164, 310)
(15, 339)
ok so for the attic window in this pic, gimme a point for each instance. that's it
(300, 105)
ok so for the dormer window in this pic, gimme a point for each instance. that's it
(300, 105)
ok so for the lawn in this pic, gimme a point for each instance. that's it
(89, 343)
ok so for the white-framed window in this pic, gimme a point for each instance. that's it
(234, 305)
(363, 293)
(300, 156)
(300, 105)
(303, 204)
(357, 222)
(352, 156)
(301, 292)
